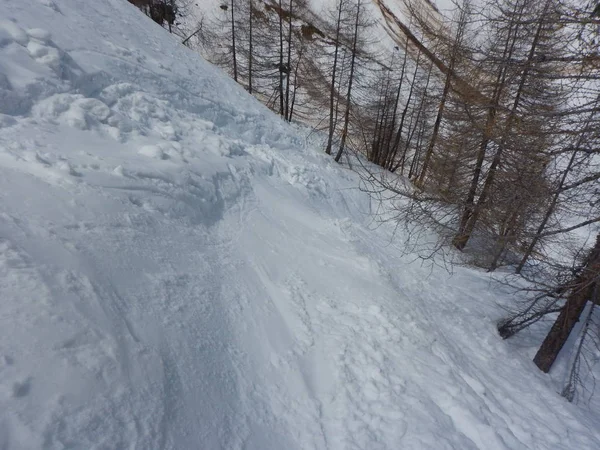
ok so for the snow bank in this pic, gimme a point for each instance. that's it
(178, 270)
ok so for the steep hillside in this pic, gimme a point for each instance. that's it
(180, 269)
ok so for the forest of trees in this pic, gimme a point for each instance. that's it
(481, 124)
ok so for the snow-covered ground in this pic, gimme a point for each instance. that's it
(179, 269)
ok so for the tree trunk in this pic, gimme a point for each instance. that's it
(289, 64)
(388, 149)
(348, 97)
(581, 292)
(250, 49)
(436, 129)
(414, 166)
(235, 73)
(281, 110)
(401, 127)
(373, 154)
(332, 87)
(509, 225)
(417, 121)
(339, 89)
(293, 101)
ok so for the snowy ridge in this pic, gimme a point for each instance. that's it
(180, 270)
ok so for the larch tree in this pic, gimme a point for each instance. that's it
(358, 24)
(519, 95)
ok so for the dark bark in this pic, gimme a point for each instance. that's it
(401, 126)
(332, 91)
(340, 151)
(507, 229)
(388, 149)
(582, 291)
(250, 46)
(281, 74)
(374, 153)
(293, 101)
(436, 130)
(417, 122)
(235, 73)
(289, 64)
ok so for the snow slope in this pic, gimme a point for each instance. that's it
(180, 270)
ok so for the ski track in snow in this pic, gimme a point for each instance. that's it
(178, 270)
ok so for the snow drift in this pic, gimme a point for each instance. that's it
(180, 270)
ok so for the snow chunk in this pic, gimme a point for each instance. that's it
(11, 32)
(94, 108)
(39, 50)
(54, 105)
(40, 34)
(119, 171)
(46, 54)
(73, 110)
(66, 167)
(111, 94)
(152, 151)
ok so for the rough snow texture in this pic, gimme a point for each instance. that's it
(179, 271)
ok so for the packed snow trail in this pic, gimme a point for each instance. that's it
(180, 270)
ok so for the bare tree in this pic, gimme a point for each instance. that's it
(332, 89)
(344, 136)
(461, 23)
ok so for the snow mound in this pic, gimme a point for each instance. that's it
(179, 270)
